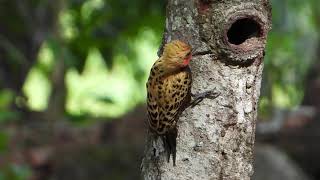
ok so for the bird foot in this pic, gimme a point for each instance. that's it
(197, 98)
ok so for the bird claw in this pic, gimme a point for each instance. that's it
(211, 94)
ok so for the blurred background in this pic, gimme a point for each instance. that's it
(72, 89)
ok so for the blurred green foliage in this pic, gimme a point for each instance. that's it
(15, 172)
(290, 52)
(3, 142)
(108, 47)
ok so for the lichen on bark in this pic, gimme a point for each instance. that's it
(216, 138)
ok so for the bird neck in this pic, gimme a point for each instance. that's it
(163, 68)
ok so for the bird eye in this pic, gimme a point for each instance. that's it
(189, 53)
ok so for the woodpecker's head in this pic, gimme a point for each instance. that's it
(177, 54)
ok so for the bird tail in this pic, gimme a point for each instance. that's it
(170, 143)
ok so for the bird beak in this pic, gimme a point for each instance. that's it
(197, 52)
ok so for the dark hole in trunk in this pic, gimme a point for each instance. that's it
(243, 29)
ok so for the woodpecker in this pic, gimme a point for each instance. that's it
(169, 93)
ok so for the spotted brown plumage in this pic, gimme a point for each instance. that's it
(168, 89)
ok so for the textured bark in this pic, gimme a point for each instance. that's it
(216, 137)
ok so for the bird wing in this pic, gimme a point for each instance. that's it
(152, 105)
(166, 99)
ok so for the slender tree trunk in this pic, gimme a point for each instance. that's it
(216, 137)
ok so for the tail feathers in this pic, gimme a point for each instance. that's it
(170, 143)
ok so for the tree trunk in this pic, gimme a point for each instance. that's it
(216, 138)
